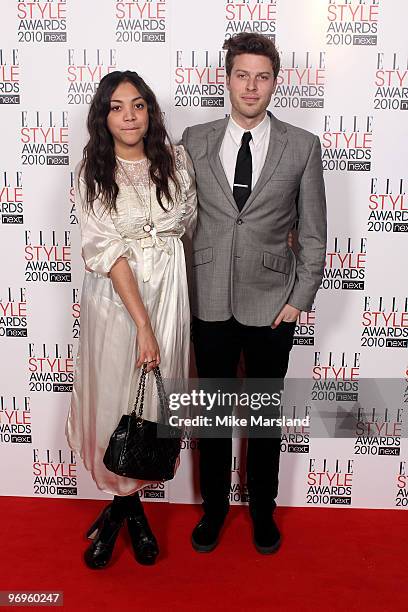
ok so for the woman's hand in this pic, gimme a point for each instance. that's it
(293, 240)
(148, 349)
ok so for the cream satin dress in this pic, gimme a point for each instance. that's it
(106, 377)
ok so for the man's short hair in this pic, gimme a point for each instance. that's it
(248, 42)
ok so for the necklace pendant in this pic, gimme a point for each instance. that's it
(148, 227)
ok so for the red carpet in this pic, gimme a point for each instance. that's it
(330, 559)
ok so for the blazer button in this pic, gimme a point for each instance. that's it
(239, 221)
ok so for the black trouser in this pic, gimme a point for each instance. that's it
(218, 347)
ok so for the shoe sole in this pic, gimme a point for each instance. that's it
(95, 567)
(204, 547)
(91, 565)
(267, 550)
(145, 561)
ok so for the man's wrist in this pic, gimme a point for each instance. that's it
(293, 306)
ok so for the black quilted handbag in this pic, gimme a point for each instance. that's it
(135, 450)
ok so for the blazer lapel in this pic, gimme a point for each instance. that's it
(215, 138)
(277, 144)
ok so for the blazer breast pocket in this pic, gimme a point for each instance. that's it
(202, 256)
(284, 185)
(283, 188)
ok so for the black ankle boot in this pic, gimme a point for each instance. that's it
(206, 533)
(103, 532)
(143, 541)
(266, 535)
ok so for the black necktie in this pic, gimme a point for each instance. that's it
(243, 172)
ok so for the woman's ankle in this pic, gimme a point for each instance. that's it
(119, 507)
(125, 505)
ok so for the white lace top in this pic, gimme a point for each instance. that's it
(106, 236)
(133, 202)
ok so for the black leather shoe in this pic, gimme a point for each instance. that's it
(143, 541)
(206, 533)
(103, 532)
(266, 535)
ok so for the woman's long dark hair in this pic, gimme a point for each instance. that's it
(99, 162)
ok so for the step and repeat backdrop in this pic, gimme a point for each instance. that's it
(344, 77)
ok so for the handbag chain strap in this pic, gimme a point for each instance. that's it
(164, 400)
(139, 401)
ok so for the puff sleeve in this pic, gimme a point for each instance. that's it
(190, 194)
(101, 243)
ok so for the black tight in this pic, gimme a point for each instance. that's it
(123, 504)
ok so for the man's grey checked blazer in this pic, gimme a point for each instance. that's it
(242, 265)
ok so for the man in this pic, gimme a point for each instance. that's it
(256, 177)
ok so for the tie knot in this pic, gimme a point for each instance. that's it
(246, 137)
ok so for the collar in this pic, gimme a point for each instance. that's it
(258, 133)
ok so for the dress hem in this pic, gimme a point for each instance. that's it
(139, 488)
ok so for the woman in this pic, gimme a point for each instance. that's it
(136, 197)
